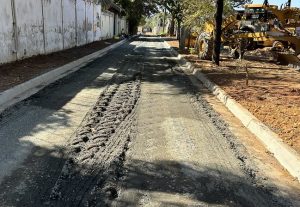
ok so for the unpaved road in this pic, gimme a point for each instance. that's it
(127, 130)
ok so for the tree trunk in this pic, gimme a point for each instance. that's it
(172, 26)
(218, 32)
(164, 23)
(183, 36)
(178, 30)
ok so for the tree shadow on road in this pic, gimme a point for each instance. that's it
(31, 183)
(173, 183)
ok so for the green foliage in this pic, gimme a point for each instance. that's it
(197, 12)
(193, 13)
(153, 20)
(136, 10)
(143, 21)
(174, 7)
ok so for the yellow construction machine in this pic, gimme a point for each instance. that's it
(258, 26)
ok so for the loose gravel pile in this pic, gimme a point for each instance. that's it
(98, 148)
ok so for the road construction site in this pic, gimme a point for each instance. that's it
(132, 129)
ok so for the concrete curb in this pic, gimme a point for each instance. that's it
(286, 155)
(27, 89)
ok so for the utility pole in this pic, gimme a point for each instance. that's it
(218, 31)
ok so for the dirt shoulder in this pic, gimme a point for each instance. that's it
(272, 94)
(15, 73)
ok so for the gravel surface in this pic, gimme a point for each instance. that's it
(149, 139)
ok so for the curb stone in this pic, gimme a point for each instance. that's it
(24, 90)
(285, 155)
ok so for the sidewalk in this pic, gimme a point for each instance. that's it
(15, 73)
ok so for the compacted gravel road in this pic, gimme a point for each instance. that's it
(129, 129)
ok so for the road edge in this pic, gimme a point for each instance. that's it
(285, 155)
(24, 90)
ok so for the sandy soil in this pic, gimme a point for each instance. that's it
(12, 74)
(272, 94)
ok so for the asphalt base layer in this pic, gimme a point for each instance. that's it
(149, 139)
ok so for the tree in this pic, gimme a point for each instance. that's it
(197, 12)
(218, 31)
(174, 7)
(135, 11)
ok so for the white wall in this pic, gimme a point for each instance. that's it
(111, 25)
(117, 24)
(124, 25)
(81, 22)
(53, 24)
(107, 19)
(7, 43)
(69, 23)
(121, 24)
(46, 26)
(97, 22)
(30, 28)
(89, 22)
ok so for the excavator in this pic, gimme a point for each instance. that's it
(258, 26)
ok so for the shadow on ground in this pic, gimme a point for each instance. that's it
(178, 180)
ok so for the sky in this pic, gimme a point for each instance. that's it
(295, 3)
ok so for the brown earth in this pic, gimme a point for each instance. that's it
(15, 73)
(272, 94)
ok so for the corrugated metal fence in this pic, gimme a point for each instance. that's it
(34, 27)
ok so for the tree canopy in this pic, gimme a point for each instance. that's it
(197, 12)
(193, 13)
(136, 10)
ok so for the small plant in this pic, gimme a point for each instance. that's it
(163, 34)
(192, 51)
(244, 67)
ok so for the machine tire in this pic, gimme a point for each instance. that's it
(235, 54)
(205, 47)
(278, 46)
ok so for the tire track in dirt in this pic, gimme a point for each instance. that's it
(98, 149)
